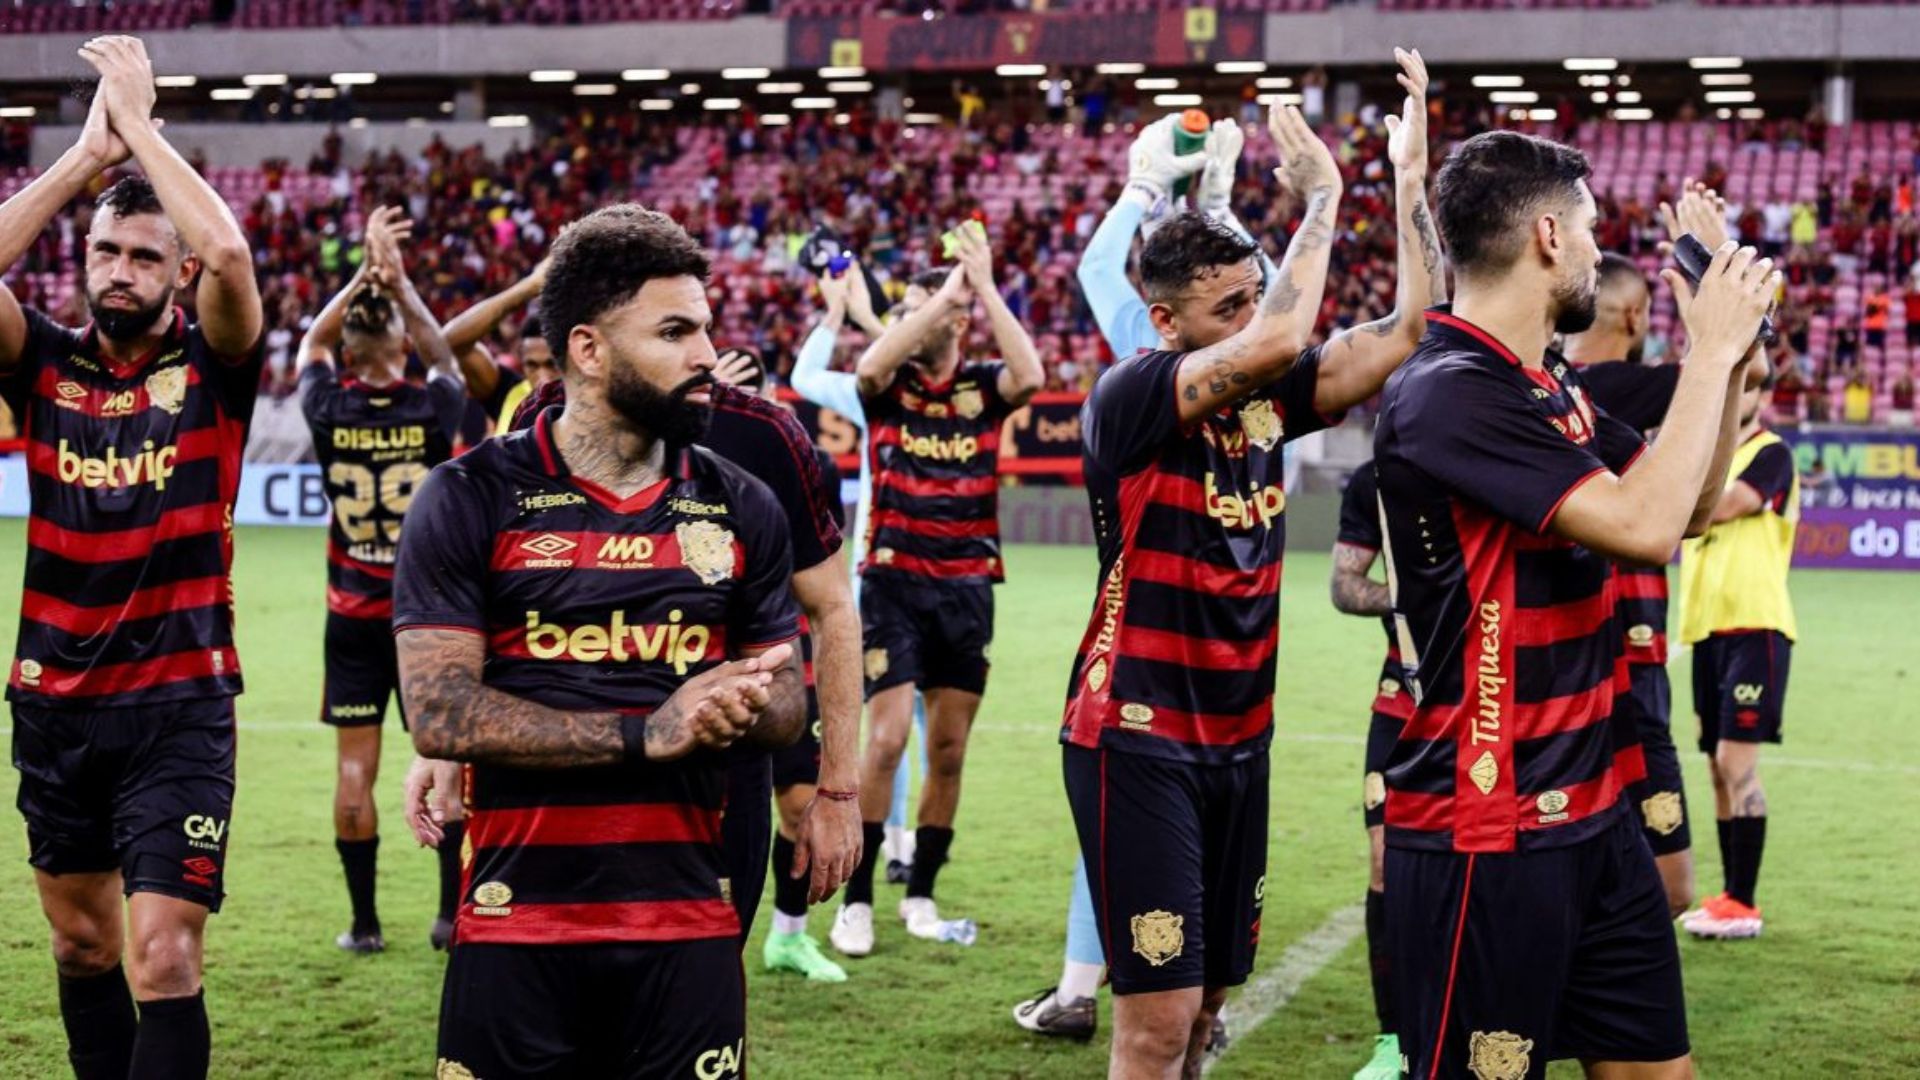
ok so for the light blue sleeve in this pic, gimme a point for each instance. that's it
(1117, 307)
(1268, 271)
(836, 390)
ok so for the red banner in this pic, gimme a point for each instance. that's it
(1166, 38)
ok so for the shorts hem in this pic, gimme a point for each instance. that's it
(54, 866)
(1637, 1055)
(191, 896)
(354, 722)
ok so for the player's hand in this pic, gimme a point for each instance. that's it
(1224, 144)
(953, 292)
(126, 78)
(1153, 167)
(103, 146)
(827, 843)
(1723, 315)
(1701, 212)
(433, 799)
(1407, 133)
(859, 299)
(1306, 165)
(975, 257)
(834, 291)
(386, 231)
(734, 367)
(715, 708)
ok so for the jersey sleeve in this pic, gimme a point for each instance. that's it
(762, 611)
(235, 379)
(1131, 412)
(439, 579)
(45, 339)
(448, 395)
(1360, 510)
(1294, 394)
(785, 462)
(319, 390)
(1637, 394)
(988, 372)
(1771, 474)
(1617, 442)
(830, 479)
(1480, 437)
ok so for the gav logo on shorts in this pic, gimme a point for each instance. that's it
(204, 831)
(1749, 693)
(1158, 937)
(1499, 1055)
(722, 1062)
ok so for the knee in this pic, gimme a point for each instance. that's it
(80, 951)
(166, 963)
(1161, 1039)
(1679, 898)
(885, 745)
(356, 776)
(945, 758)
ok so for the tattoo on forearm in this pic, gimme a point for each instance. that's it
(1429, 251)
(780, 722)
(1223, 377)
(1314, 233)
(1284, 297)
(1383, 327)
(1353, 591)
(458, 718)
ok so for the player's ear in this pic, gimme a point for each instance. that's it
(1163, 321)
(189, 267)
(1547, 234)
(586, 351)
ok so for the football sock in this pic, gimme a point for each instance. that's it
(789, 892)
(1748, 838)
(173, 1043)
(930, 844)
(98, 1013)
(1377, 957)
(358, 858)
(449, 853)
(1078, 980)
(1723, 827)
(860, 886)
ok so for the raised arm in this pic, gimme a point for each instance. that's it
(384, 240)
(228, 297)
(323, 335)
(1212, 378)
(1354, 593)
(1703, 213)
(1356, 363)
(882, 360)
(465, 331)
(1022, 375)
(1216, 186)
(813, 377)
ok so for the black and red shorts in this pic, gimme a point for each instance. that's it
(1503, 962)
(147, 791)
(641, 1009)
(932, 635)
(746, 833)
(362, 672)
(1740, 686)
(1661, 798)
(1176, 858)
(1383, 731)
(799, 763)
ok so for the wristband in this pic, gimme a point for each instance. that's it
(633, 736)
(836, 796)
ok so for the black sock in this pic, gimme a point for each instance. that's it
(1748, 838)
(449, 853)
(1377, 960)
(173, 1043)
(1723, 827)
(789, 892)
(860, 886)
(359, 857)
(930, 844)
(98, 1012)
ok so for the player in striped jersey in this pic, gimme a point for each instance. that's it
(376, 435)
(588, 612)
(1527, 918)
(122, 688)
(933, 557)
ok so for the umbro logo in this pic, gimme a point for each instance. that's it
(70, 390)
(549, 547)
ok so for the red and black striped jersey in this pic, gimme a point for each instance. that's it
(1509, 636)
(1638, 396)
(375, 445)
(1178, 658)
(591, 601)
(933, 454)
(1360, 528)
(132, 472)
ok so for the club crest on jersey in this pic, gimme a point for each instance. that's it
(1158, 937)
(492, 898)
(1263, 426)
(1663, 812)
(30, 672)
(451, 1070)
(167, 388)
(1373, 791)
(1552, 806)
(1499, 1055)
(1640, 636)
(1135, 716)
(706, 549)
(968, 402)
(876, 663)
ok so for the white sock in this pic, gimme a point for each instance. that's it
(1078, 981)
(895, 838)
(784, 923)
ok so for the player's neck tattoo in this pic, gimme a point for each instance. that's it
(607, 450)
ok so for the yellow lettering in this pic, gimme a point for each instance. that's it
(588, 643)
(1264, 505)
(672, 642)
(149, 466)
(1491, 682)
(545, 641)
(951, 448)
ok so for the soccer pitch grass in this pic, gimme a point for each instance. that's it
(1832, 990)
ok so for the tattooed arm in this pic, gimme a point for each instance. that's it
(1354, 593)
(1356, 362)
(883, 358)
(1212, 378)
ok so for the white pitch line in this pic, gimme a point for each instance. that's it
(1301, 961)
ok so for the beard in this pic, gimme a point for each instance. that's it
(126, 324)
(1576, 307)
(667, 416)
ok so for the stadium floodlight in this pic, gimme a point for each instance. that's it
(1274, 82)
(690, 88)
(923, 119)
(509, 120)
(646, 75)
(1498, 82)
(17, 112)
(1711, 63)
(851, 86)
(1020, 71)
(353, 78)
(841, 119)
(1156, 84)
(843, 73)
(175, 82)
(1120, 68)
(774, 119)
(1727, 78)
(357, 122)
(781, 87)
(1590, 63)
(1546, 115)
(595, 89)
(264, 80)
(1240, 67)
(1598, 97)
(233, 93)
(1177, 101)
(656, 105)
(1281, 99)
(1633, 114)
(446, 108)
(745, 74)
(1752, 114)
(1627, 97)
(720, 104)
(1729, 97)
(553, 75)
(814, 103)
(1514, 97)
(318, 93)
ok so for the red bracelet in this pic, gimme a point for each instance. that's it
(836, 796)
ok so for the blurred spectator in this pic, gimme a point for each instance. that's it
(1857, 400)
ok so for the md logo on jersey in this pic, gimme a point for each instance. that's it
(625, 553)
(723, 1062)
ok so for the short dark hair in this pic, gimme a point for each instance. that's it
(932, 278)
(1616, 269)
(1189, 243)
(130, 197)
(1493, 184)
(531, 328)
(369, 311)
(604, 260)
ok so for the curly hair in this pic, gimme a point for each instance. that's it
(1189, 244)
(1492, 186)
(369, 311)
(604, 260)
(133, 196)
